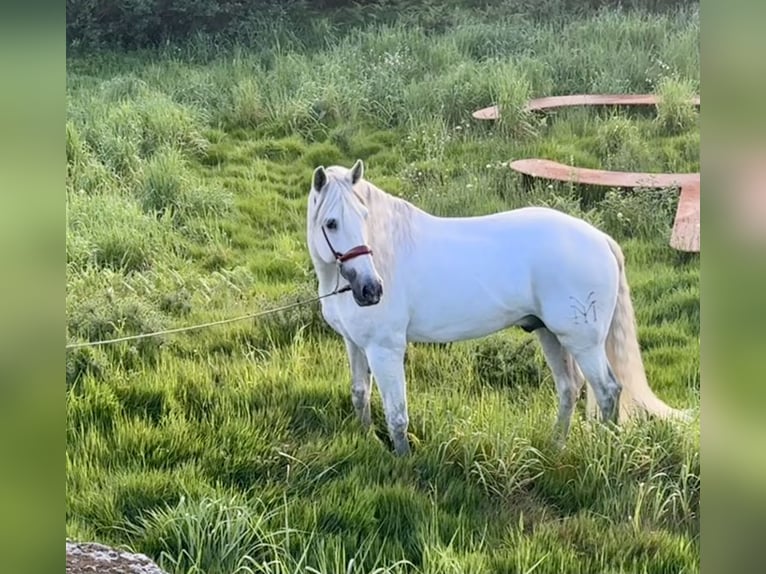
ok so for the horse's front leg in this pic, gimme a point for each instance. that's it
(387, 366)
(360, 382)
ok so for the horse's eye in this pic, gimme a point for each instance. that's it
(331, 224)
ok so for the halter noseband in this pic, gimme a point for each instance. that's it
(350, 254)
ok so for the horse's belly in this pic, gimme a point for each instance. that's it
(457, 323)
(449, 333)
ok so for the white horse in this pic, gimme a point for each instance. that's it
(412, 276)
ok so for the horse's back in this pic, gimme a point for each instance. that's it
(536, 235)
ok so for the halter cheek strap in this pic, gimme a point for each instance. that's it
(350, 254)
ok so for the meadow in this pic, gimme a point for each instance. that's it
(235, 449)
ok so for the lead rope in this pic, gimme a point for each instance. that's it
(253, 316)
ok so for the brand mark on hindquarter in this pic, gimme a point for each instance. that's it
(584, 312)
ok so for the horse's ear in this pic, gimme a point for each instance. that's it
(319, 178)
(357, 171)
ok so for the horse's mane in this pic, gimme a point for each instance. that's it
(390, 219)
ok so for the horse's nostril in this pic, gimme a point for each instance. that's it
(371, 291)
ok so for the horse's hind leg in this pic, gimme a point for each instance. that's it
(360, 383)
(563, 368)
(595, 366)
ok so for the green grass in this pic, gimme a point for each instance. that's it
(235, 449)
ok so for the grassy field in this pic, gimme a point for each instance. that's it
(235, 449)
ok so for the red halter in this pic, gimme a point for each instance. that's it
(350, 254)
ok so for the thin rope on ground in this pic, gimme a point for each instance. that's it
(206, 325)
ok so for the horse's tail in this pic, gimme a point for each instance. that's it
(624, 355)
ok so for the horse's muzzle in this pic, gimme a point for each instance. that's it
(366, 290)
(368, 294)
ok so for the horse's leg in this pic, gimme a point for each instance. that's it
(606, 388)
(360, 382)
(562, 366)
(387, 366)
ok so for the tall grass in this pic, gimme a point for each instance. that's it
(234, 449)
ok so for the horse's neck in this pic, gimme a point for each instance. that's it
(388, 228)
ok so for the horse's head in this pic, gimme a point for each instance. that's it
(337, 230)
